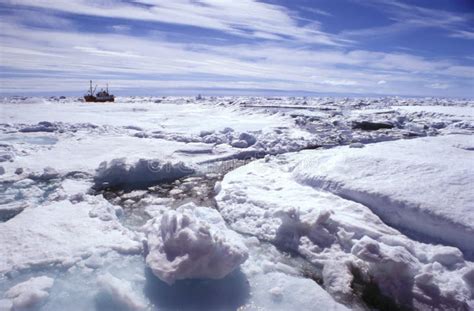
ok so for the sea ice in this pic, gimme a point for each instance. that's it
(308, 203)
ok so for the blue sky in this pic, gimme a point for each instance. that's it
(294, 47)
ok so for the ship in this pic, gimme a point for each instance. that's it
(100, 97)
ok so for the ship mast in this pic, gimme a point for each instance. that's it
(91, 87)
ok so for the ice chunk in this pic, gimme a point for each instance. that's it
(133, 127)
(4, 157)
(19, 170)
(356, 145)
(393, 268)
(337, 278)
(30, 293)
(239, 144)
(10, 210)
(227, 130)
(468, 277)
(120, 292)
(48, 174)
(371, 125)
(206, 133)
(448, 256)
(143, 173)
(192, 242)
(248, 138)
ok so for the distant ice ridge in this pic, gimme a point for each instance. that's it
(276, 200)
(192, 243)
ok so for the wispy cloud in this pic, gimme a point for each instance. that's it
(409, 17)
(439, 86)
(463, 34)
(247, 18)
(316, 11)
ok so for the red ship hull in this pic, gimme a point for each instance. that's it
(94, 99)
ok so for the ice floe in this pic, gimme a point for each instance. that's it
(61, 234)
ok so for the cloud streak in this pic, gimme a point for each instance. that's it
(407, 17)
(246, 18)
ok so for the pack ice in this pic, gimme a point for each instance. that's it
(161, 204)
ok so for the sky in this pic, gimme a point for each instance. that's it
(238, 47)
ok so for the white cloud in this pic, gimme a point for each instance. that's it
(463, 34)
(439, 86)
(340, 82)
(316, 11)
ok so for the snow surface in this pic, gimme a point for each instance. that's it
(172, 115)
(419, 185)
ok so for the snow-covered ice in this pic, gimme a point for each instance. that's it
(105, 205)
(277, 200)
(61, 234)
(418, 185)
